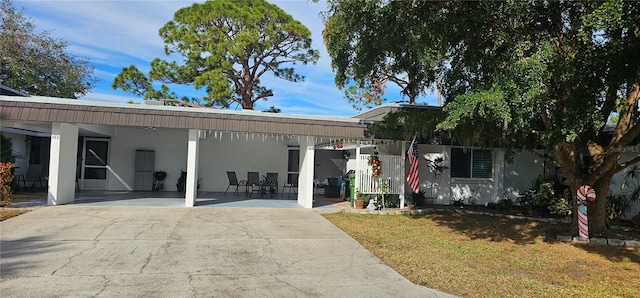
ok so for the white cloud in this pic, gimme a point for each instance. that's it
(115, 34)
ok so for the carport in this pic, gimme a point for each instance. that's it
(186, 128)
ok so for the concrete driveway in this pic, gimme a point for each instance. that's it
(84, 251)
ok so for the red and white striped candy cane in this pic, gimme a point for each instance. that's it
(583, 222)
(585, 192)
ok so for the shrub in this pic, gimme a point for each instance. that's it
(6, 149)
(505, 204)
(416, 199)
(561, 206)
(6, 178)
(619, 204)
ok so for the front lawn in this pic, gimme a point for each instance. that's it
(9, 213)
(486, 256)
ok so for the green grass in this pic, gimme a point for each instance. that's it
(485, 256)
(6, 213)
(9, 213)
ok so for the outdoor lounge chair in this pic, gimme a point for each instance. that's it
(253, 181)
(291, 185)
(33, 177)
(272, 182)
(233, 181)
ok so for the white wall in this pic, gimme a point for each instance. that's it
(618, 178)
(217, 156)
(521, 172)
(242, 155)
(437, 188)
(171, 154)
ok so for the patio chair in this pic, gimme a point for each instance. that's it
(292, 186)
(33, 176)
(233, 181)
(272, 182)
(253, 180)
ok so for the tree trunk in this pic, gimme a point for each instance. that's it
(597, 209)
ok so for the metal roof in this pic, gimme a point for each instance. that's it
(49, 109)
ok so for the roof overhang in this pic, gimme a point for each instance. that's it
(50, 110)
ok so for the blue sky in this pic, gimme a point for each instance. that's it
(115, 34)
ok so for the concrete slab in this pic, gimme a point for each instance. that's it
(126, 251)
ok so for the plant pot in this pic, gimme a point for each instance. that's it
(359, 204)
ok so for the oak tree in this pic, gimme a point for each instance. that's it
(542, 74)
(37, 63)
(373, 43)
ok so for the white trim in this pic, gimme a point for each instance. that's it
(80, 102)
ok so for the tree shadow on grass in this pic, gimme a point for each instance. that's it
(500, 229)
(523, 232)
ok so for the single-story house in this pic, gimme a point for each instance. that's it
(90, 145)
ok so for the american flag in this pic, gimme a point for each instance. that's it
(412, 174)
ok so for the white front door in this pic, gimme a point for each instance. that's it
(95, 156)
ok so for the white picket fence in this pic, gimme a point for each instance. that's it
(392, 173)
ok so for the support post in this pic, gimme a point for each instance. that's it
(191, 185)
(62, 164)
(358, 178)
(305, 179)
(404, 180)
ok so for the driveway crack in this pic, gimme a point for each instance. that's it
(95, 243)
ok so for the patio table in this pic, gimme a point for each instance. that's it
(268, 187)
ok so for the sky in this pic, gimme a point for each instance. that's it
(116, 34)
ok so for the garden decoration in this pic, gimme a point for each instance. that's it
(585, 193)
(376, 166)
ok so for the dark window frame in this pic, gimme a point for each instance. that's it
(468, 163)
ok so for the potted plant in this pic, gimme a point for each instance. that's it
(362, 200)
(415, 199)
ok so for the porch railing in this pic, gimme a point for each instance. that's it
(392, 174)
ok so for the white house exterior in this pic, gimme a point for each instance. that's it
(97, 142)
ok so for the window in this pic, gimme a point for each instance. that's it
(293, 165)
(471, 163)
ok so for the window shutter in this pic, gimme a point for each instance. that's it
(482, 164)
(460, 163)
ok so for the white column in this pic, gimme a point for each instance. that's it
(356, 187)
(305, 179)
(62, 164)
(191, 185)
(404, 173)
(498, 172)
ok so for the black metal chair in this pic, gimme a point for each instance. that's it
(253, 180)
(233, 181)
(272, 182)
(292, 186)
(33, 176)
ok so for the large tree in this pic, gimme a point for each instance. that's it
(521, 75)
(372, 43)
(226, 46)
(36, 63)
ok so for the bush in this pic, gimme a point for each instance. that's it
(6, 179)
(505, 204)
(416, 199)
(619, 204)
(552, 197)
(561, 206)
(6, 149)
